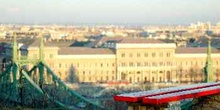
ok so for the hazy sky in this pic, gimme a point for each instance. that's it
(110, 11)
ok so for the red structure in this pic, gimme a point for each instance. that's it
(166, 95)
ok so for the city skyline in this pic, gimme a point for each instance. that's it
(109, 12)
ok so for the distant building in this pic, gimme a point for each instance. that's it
(132, 60)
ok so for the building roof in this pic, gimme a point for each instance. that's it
(36, 43)
(84, 51)
(195, 50)
(143, 41)
(100, 41)
(129, 40)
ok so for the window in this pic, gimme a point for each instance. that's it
(168, 54)
(145, 79)
(170, 63)
(138, 64)
(60, 65)
(123, 64)
(131, 64)
(123, 55)
(161, 54)
(59, 74)
(130, 55)
(154, 64)
(153, 54)
(145, 54)
(138, 55)
(113, 64)
(146, 64)
(101, 65)
(51, 55)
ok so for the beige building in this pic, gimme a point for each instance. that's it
(129, 59)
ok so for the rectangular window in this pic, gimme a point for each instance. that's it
(123, 55)
(145, 54)
(131, 64)
(138, 55)
(130, 55)
(123, 64)
(60, 65)
(168, 54)
(146, 64)
(153, 54)
(154, 64)
(170, 64)
(161, 54)
(51, 55)
(138, 64)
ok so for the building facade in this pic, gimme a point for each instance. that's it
(130, 60)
